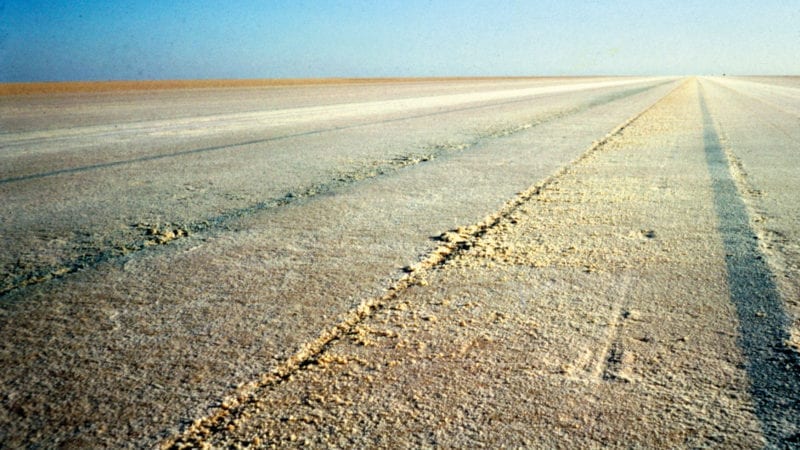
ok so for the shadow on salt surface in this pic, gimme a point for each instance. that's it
(763, 322)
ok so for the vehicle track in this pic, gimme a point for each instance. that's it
(234, 408)
(143, 236)
(684, 386)
(119, 354)
(307, 113)
(765, 325)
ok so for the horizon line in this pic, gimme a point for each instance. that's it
(115, 85)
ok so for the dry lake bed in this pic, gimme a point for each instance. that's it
(510, 262)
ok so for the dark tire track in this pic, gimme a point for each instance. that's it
(764, 323)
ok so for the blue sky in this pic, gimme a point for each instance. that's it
(101, 40)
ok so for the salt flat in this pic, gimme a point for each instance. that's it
(313, 263)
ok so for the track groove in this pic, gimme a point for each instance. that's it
(142, 240)
(452, 244)
(763, 322)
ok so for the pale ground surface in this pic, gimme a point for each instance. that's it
(605, 308)
(598, 312)
(111, 179)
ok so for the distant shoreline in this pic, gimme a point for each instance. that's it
(66, 87)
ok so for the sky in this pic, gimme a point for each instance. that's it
(62, 40)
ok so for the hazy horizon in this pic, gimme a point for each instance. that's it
(96, 41)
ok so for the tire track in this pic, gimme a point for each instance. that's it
(760, 100)
(764, 324)
(305, 114)
(145, 236)
(150, 158)
(234, 408)
(774, 233)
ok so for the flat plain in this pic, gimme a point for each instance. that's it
(571, 262)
